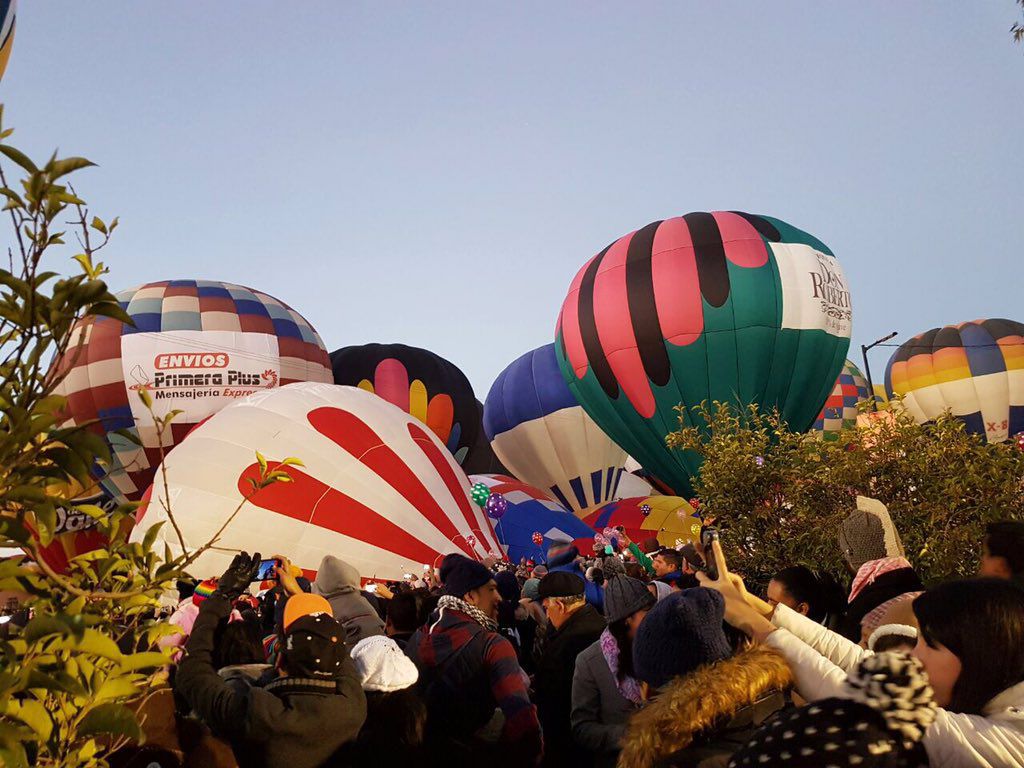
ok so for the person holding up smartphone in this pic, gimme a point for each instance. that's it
(971, 645)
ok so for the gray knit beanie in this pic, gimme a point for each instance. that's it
(624, 596)
(869, 534)
(613, 567)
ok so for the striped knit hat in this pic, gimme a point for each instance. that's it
(204, 590)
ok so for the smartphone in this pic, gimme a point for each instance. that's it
(371, 588)
(266, 570)
(709, 534)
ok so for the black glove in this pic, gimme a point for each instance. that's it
(238, 576)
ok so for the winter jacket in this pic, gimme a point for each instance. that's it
(339, 583)
(553, 683)
(820, 658)
(685, 727)
(599, 710)
(466, 672)
(593, 593)
(884, 588)
(285, 723)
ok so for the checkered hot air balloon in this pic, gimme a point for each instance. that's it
(196, 346)
(974, 369)
(531, 513)
(378, 489)
(723, 306)
(840, 411)
(542, 434)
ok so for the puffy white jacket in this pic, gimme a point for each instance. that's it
(820, 660)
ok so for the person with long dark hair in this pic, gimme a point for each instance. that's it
(971, 644)
(605, 692)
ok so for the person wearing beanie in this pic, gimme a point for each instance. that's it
(467, 671)
(605, 691)
(396, 716)
(868, 533)
(339, 582)
(879, 721)
(573, 625)
(279, 721)
(564, 557)
(680, 654)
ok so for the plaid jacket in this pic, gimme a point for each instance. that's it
(466, 671)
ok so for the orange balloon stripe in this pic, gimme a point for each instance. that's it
(441, 416)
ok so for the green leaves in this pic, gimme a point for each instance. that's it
(111, 720)
(786, 508)
(65, 684)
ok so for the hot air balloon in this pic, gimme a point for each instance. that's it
(75, 532)
(840, 411)
(721, 306)
(542, 434)
(8, 13)
(196, 346)
(667, 518)
(378, 488)
(531, 511)
(419, 382)
(975, 369)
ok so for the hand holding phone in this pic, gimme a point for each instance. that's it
(709, 535)
(267, 570)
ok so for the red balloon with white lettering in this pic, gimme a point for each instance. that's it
(377, 488)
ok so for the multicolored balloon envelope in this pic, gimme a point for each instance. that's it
(840, 411)
(721, 306)
(378, 488)
(975, 369)
(8, 14)
(531, 511)
(667, 518)
(419, 382)
(196, 346)
(75, 533)
(542, 434)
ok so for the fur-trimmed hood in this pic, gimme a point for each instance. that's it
(701, 702)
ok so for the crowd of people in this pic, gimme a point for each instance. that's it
(636, 655)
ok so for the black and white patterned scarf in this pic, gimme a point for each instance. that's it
(895, 685)
(456, 604)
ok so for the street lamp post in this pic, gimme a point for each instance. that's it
(867, 366)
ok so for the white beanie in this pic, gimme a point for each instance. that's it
(382, 665)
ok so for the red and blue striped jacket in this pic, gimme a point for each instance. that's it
(466, 671)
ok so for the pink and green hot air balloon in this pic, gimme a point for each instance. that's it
(723, 306)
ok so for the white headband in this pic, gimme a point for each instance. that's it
(903, 630)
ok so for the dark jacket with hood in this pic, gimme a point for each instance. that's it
(280, 725)
(553, 683)
(698, 721)
(338, 581)
(466, 673)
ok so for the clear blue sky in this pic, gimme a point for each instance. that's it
(435, 173)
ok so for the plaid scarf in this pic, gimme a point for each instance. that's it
(455, 604)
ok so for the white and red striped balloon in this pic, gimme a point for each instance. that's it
(378, 489)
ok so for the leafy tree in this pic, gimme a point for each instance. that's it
(69, 681)
(779, 497)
